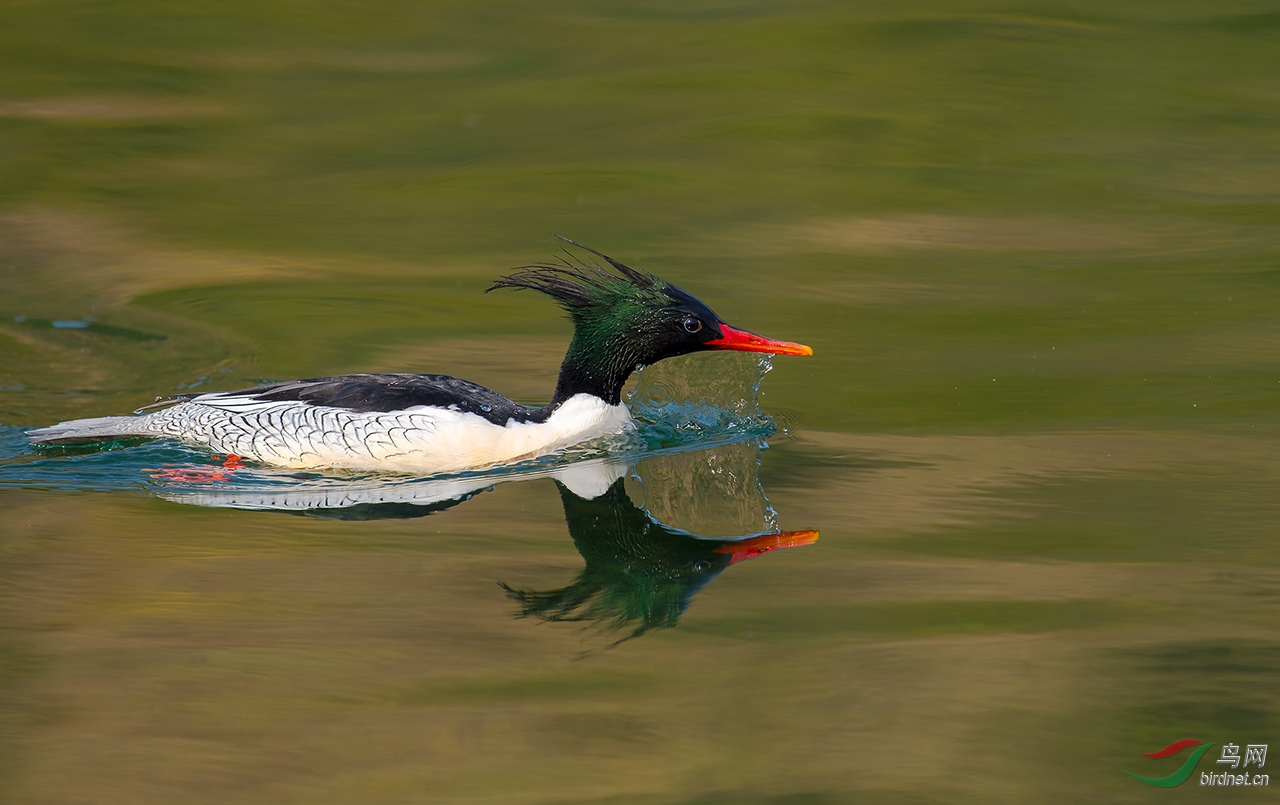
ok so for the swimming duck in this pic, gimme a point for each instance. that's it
(623, 319)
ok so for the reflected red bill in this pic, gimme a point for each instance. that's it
(755, 546)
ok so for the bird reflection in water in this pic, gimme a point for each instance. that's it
(640, 574)
(644, 561)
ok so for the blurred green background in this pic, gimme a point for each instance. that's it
(1034, 246)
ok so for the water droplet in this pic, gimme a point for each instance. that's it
(486, 408)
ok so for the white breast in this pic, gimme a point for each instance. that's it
(421, 440)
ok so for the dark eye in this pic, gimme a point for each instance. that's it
(692, 324)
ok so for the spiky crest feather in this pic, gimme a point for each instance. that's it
(580, 286)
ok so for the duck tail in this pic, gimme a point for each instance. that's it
(89, 431)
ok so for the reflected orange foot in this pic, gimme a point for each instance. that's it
(200, 474)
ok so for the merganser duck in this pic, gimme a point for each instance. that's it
(623, 319)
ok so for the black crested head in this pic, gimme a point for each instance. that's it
(623, 318)
(579, 285)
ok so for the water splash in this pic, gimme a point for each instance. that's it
(696, 401)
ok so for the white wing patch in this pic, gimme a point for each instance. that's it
(239, 404)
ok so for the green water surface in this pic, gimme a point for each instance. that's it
(1035, 249)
